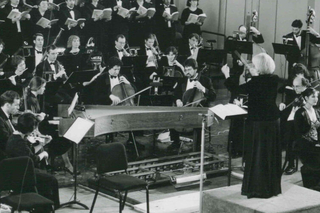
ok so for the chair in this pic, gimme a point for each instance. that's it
(112, 157)
(17, 175)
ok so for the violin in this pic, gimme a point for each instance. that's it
(123, 91)
(193, 97)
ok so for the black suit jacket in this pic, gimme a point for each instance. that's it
(5, 130)
(119, 24)
(210, 93)
(64, 14)
(45, 66)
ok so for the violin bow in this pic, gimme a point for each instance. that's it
(132, 96)
(194, 102)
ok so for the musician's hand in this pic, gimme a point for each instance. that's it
(101, 69)
(237, 102)
(199, 86)
(115, 8)
(282, 106)
(152, 75)
(313, 32)
(41, 116)
(27, 16)
(123, 80)
(179, 103)
(13, 80)
(239, 62)
(226, 71)
(178, 64)
(82, 25)
(47, 139)
(254, 30)
(43, 155)
(19, 72)
(253, 71)
(115, 100)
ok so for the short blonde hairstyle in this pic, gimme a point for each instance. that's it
(70, 40)
(263, 63)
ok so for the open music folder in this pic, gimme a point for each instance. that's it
(228, 110)
(78, 129)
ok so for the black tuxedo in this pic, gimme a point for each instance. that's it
(5, 130)
(119, 25)
(64, 14)
(209, 94)
(31, 60)
(166, 34)
(45, 66)
(113, 52)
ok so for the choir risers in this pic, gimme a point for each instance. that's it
(109, 119)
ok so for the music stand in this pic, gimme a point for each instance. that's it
(80, 77)
(285, 49)
(75, 133)
(232, 45)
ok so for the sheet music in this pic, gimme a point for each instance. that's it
(78, 129)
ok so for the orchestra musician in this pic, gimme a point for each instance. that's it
(17, 146)
(36, 53)
(11, 30)
(10, 103)
(170, 60)
(165, 28)
(3, 59)
(118, 50)
(191, 49)
(104, 92)
(298, 37)
(262, 175)
(69, 10)
(306, 126)
(190, 28)
(242, 35)
(74, 57)
(19, 77)
(194, 81)
(294, 102)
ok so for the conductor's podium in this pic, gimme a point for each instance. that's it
(293, 199)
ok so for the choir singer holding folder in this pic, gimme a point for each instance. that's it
(262, 175)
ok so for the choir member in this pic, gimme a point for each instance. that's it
(12, 30)
(306, 126)
(189, 28)
(97, 28)
(165, 27)
(69, 10)
(141, 24)
(194, 81)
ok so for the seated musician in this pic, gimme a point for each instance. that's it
(10, 103)
(74, 57)
(292, 103)
(191, 49)
(307, 123)
(170, 60)
(119, 50)
(58, 146)
(36, 53)
(298, 37)
(3, 59)
(105, 86)
(242, 35)
(19, 77)
(197, 82)
(18, 145)
(152, 51)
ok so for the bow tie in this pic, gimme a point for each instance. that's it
(195, 79)
(37, 51)
(14, 7)
(148, 48)
(70, 9)
(120, 50)
(113, 77)
(298, 35)
(192, 48)
(51, 63)
(165, 6)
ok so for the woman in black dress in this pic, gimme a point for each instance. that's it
(262, 175)
(170, 60)
(307, 126)
(189, 28)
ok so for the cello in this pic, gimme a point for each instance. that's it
(123, 91)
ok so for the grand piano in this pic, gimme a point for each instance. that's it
(109, 119)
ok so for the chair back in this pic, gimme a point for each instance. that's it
(111, 157)
(17, 173)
